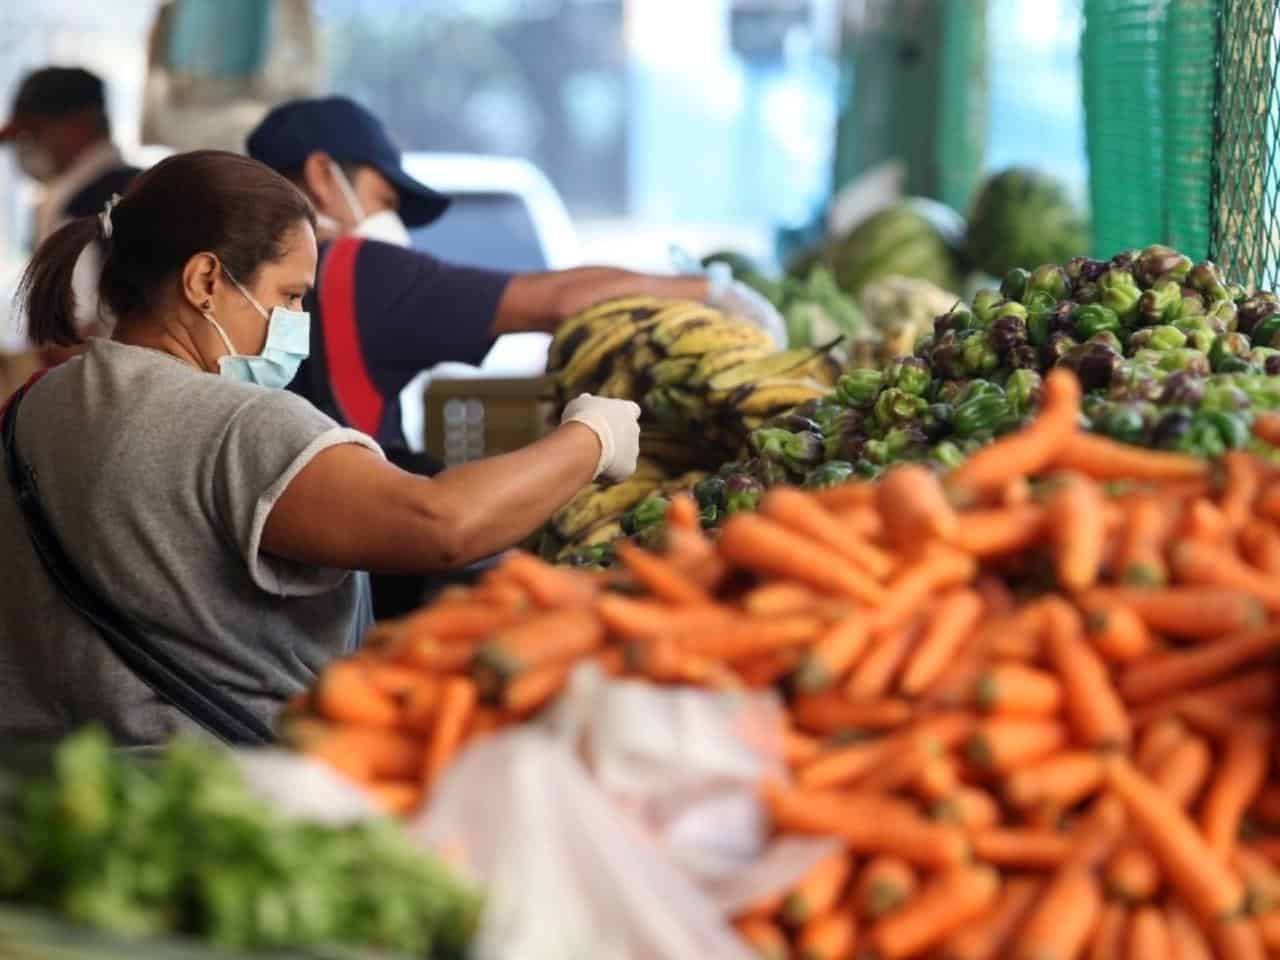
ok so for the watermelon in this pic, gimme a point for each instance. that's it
(914, 238)
(1023, 218)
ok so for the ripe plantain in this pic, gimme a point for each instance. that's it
(596, 502)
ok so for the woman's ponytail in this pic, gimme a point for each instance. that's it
(45, 293)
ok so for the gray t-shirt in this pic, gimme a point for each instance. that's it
(158, 479)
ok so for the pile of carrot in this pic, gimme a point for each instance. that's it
(1031, 698)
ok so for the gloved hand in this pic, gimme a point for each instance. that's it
(733, 296)
(617, 425)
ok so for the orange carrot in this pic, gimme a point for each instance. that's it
(874, 673)
(778, 598)
(938, 779)
(1269, 930)
(847, 496)
(955, 683)
(1028, 451)
(457, 701)
(864, 521)
(533, 689)
(1109, 939)
(1238, 939)
(1266, 427)
(1132, 873)
(393, 679)
(1186, 669)
(971, 807)
(1205, 521)
(1001, 744)
(1061, 921)
(1236, 782)
(914, 507)
(841, 765)
(883, 885)
(1158, 740)
(830, 936)
(665, 660)
(695, 556)
(1104, 459)
(682, 513)
(1182, 611)
(1011, 689)
(866, 827)
(1148, 935)
(1002, 530)
(659, 577)
(996, 595)
(766, 940)
(987, 937)
(831, 712)
(461, 620)
(905, 759)
(950, 623)
(432, 655)
(1260, 542)
(484, 721)
(798, 748)
(800, 513)
(1119, 634)
(1266, 805)
(399, 797)
(1210, 565)
(1140, 554)
(1268, 504)
(1216, 707)
(944, 905)
(628, 617)
(550, 587)
(835, 652)
(1192, 868)
(1093, 706)
(939, 568)
(360, 752)
(1261, 879)
(344, 693)
(1183, 773)
(556, 636)
(1076, 527)
(768, 669)
(1062, 780)
(1021, 847)
(751, 637)
(818, 891)
(1187, 938)
(1241, 483)
(1016, 636)
(1098, 832)
(755, 543)
(764, 909)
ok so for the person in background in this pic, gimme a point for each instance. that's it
(384, 312)
(61, 135)
(165, 503)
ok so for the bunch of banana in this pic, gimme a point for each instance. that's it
(584, 529)
(703, 379)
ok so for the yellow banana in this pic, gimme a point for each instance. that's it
(672, 371)
(774, 365)
(621, 384)
(717, 361)
(772, 395)
(595, 502)
(587, 360)
(722, 335)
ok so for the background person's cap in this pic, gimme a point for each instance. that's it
(52, 92)
(350, 134)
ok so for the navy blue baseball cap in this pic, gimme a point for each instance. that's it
(350, 134)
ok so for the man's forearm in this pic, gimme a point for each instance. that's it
(539, 302)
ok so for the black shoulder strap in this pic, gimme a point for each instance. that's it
(173, 682)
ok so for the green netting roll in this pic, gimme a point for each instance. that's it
(1189, 81)
(1124, 129)
(1246, 181)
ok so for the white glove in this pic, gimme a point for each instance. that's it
(735, 297)
(617, 425)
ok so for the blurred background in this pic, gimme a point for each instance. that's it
(709, 123)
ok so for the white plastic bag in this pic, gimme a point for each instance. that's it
(626, 825)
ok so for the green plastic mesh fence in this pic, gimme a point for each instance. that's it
(1246, 180)
(1149, 80)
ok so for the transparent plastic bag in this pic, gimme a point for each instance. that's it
(624, 825)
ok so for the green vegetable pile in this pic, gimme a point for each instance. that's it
(180, 846)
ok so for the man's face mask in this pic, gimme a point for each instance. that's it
(384, 226)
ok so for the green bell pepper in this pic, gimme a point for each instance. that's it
(1119, 292)
(895, 406)
(1092, 319)
(833, 473)
(1267, 332)
(1022, 390)
(1014, 285)
(859, 388)
(1233, 346)
(980, 413)
(1201, 340)
(1188, 359)
(947, 454)
(985, 303)
(1126, 422)
(1050, 279)
(910, 374)
(1161, 304)
(978, 355)
(1222, 317)
(1163, 337)
(1206, 279)
(1158, 262)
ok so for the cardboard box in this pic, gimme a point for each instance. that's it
(472, 418)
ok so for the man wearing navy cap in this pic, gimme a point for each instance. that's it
(60, 132)
(381, 312)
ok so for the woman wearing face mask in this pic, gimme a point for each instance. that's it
(178, 531)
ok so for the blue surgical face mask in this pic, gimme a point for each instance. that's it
(288, 344)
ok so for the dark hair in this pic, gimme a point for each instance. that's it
(206, 200)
